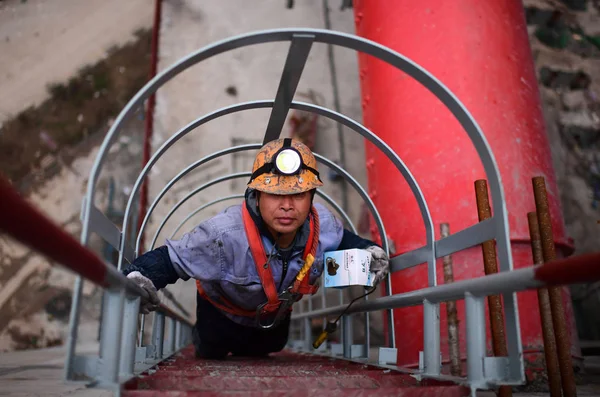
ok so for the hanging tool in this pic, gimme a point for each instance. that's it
(331, 327)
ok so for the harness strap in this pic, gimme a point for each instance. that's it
(260, 260)
(301, 284)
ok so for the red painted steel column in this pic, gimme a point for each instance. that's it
(480, 50)
(149, 120)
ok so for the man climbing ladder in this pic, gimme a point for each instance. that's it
(252, 261)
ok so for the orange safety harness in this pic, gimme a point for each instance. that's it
(279, 303)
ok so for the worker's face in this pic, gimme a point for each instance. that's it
(284, 213)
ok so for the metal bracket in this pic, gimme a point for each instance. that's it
(141, 354)
(388, 355)
(150, 352)
(496, 369)
(337, 349)
(358, 351)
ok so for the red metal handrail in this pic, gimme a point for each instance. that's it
(576, 269)
(24, 222)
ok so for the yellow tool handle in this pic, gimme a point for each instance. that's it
(307, 264)
(329, 329)
(320, 339)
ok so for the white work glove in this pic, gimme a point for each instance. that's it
(380, 263)
(145, 283)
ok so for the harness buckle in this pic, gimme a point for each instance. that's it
(286, 299)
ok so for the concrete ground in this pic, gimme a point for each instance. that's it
(39, 373)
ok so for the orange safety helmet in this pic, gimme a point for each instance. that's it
(285, 166)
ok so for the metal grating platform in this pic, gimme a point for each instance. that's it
(282, 374)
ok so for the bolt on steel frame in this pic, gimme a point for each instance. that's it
(483, 371)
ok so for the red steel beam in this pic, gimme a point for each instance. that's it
(149, 121)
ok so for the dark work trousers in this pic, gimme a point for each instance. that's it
(215, 335)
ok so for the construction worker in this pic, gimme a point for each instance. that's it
(252, 261)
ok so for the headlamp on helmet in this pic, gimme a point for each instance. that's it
(287, 161)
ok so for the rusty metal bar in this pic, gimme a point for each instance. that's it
(545, 311)
(563, 345)
(491, 267)
(451, 312)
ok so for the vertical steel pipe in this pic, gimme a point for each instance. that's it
(178, 335)
(475, 319)
(130, 324)
(348, 338)
(112, 324)
(140, 342)
(491, 266)
(158, 333)
(307, 334)
(171, 338)
(551, 355)
(561, 335)
(308, 326)
(431, 335)
(416, 126)
(451, 312)
(149, 120)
